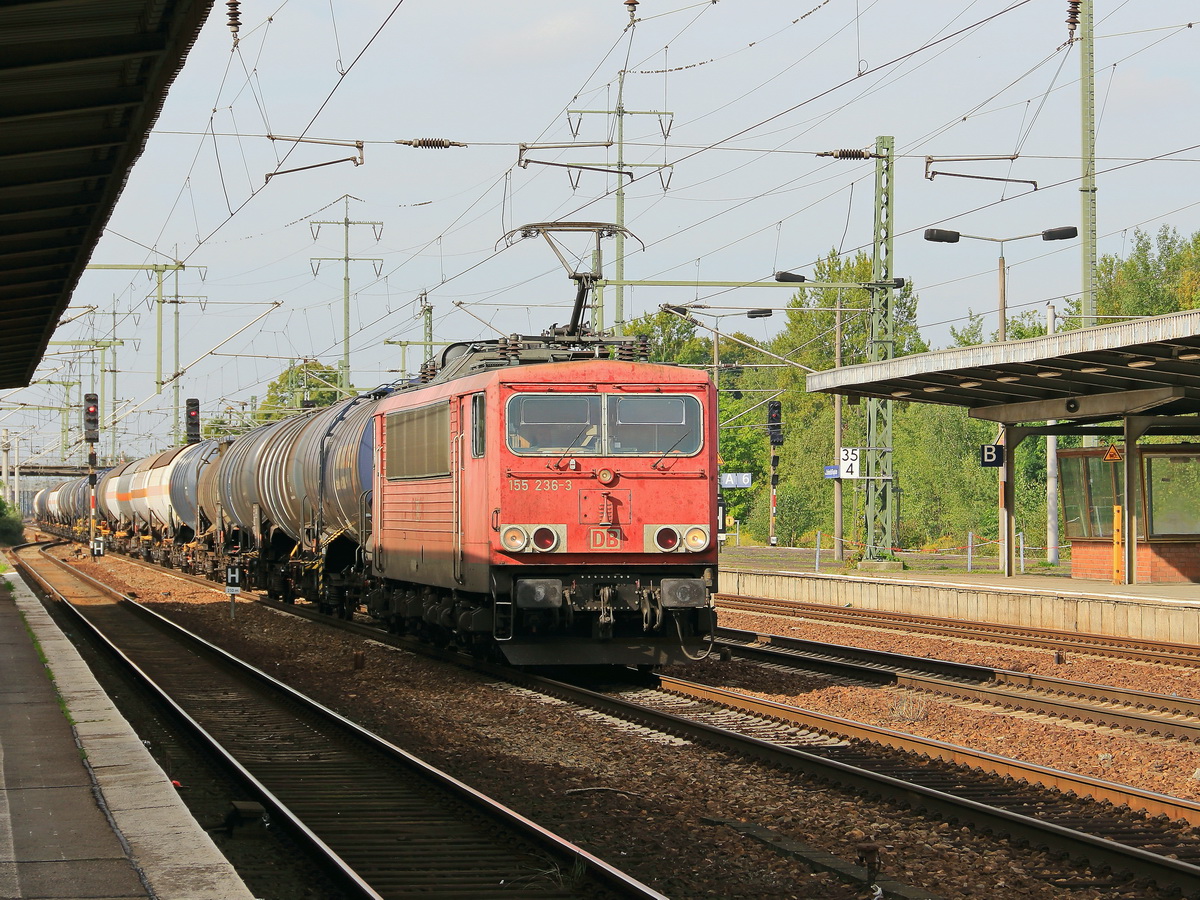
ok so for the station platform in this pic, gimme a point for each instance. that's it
(85, 811)
(1158, 612)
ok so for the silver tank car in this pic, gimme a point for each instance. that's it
(236, 487)
(281, 496)
(75, 499)
(41, 505)
(332, 460)
(184, 486)
(286, 466)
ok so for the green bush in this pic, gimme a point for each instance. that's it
(12, 529)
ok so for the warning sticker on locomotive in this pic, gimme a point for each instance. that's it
(604, 538)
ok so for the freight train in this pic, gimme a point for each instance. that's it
(543, 499)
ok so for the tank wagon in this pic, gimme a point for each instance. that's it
(549, 499)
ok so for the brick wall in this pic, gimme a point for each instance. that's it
(1158, 562)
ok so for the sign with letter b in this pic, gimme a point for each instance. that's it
(991, 456)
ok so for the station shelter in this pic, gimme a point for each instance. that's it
(1131, 503)
(1166, 503)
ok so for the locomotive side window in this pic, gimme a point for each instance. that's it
(640, 425)
(554, 423)
(417, 442)
(478, 423)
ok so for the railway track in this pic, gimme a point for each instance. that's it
(387, 824)
(1000, 795)
(1066, 641)
(1165, 715)
(989, 792)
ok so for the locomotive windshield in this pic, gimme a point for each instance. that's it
(604, 425)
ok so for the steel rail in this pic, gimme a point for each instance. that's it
(1095, 644)
(1151, 803)
(570, 856)
(1171, 873)
(1152, 713)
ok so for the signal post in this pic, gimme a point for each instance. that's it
(91, 435)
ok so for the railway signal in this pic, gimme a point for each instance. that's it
(775, 422)
(193, 420)
(91, 418)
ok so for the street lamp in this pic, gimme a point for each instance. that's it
(695, 309)
(686, 311)
(944, 236)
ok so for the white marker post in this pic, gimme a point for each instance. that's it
(233, 586)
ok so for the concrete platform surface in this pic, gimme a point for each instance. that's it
(85, 811)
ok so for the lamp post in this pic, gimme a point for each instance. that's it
(1063, 233)
(944, 236)
(686, 310)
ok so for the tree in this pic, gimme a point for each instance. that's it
(672, 338)
(309, 380)
(810, 331)
(1158, 276)
(809, 338)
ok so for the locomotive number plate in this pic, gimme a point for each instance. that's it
(539, 484)
(604, 538)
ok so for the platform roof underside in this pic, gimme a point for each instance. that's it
(81, 84)
(1142, 367)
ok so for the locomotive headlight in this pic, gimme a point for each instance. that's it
(666, 539)
(514, 538)
(545, 539)
(696, 538)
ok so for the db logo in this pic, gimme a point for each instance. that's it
(604, 539)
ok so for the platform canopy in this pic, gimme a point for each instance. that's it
(1142, 367)
(81, 84)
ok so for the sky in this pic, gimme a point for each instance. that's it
(729, 105)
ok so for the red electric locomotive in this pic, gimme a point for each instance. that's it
(541, 499)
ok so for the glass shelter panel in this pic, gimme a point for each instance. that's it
(1091, 488)
(1101, 496)
(1173, 488)
(1074, 491)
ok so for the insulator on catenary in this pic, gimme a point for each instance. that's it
(432, 143)
(847, 154)
(234, 10)
(1072, 16)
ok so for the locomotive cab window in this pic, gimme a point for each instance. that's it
(609, 425)
(554, 423)
(666, 425)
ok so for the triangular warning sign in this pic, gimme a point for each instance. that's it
(1113, 454)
